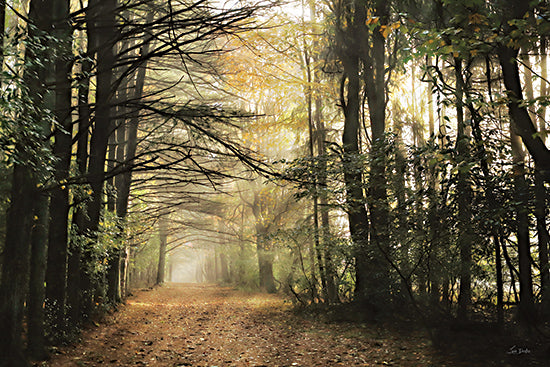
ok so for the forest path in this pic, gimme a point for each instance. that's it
(207, 325)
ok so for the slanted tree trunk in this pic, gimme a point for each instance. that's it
(520, 121)
(522, 126)
(126, 154)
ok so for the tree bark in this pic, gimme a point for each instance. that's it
(265, 261)
(101, 28)
(56, 271)
(163, 236)
(355, 200)
(520, 121)
(464, 192)
(15, 267)
(23, 198)
(521, 197)
(74, 261)
(36, 347)
(375, 84)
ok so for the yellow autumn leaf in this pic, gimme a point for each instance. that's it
(476, 18)
(372, 20)
(385, 30)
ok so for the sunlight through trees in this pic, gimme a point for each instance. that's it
(389, 156)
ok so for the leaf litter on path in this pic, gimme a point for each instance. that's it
(207, 325)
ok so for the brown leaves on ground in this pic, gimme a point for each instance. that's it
(201, 325)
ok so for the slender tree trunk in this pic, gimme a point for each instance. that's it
(398, 184)
(464, 191)
(521, 125)
(544, 241)
(75, 256)
(316, 251)
(163, 236)
(434, 269)
(543, 86)
(2, 34)
(540, 190)
(319, 135)
(521, 195)
(126, 153)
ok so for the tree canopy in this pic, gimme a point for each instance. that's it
(390, 155)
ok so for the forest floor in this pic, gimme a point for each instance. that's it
(207, 325)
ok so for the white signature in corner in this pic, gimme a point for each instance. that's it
(515, 350)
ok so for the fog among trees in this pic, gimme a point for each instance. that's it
(389, 158)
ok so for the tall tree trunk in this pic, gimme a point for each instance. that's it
(521, 196)
(398, 184)
(434, 272)
(319, 137)
(56, 271)
(316, 234)
(492, 202)
(75, 256)
(128, 150)
(543, 241)
(101, 28)
(2, 33)
(375, 59)
(543, 86)
(25, 179)
(464, 192)
(540, 189)
(351, 102)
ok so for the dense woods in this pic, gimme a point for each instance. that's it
(390, 156)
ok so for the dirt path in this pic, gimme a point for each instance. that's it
(192, 325)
